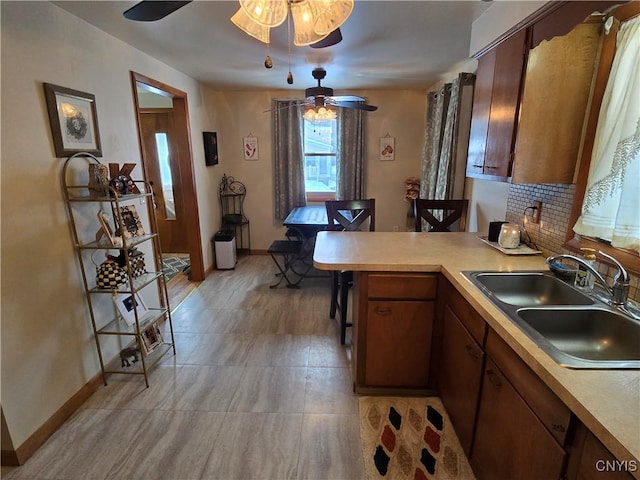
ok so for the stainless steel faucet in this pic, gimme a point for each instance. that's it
(618, 291)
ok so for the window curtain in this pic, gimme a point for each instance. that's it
(612, 196)
(441, 136)
(351, 147)
(288, 157)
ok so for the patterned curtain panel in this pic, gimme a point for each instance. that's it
(610, 207)
(351, 147)
(288, 157)
(441, 137)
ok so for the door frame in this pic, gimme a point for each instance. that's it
(187, 177)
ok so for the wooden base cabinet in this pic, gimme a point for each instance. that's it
(461, 364)
(510, 441)
(394, 316)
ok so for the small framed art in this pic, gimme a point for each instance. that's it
(151, 338)
(125, 303)
(250, 147)
(74, 121)
(131, 224)
(210, 140)
(387, 149)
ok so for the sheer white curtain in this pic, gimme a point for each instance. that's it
(611, 207)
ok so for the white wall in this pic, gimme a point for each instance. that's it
(48, 352)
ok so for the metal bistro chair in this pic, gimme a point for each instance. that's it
(290, 252)
(452, 210)
(347, 216)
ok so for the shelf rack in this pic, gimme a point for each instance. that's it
(232, 194)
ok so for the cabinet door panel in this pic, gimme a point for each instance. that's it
(398, 343)
(480, 113)
(460, 376)
(504, 104)
(510, 441)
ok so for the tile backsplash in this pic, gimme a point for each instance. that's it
(549, 234)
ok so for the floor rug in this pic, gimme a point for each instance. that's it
(171, 266)
(410, 438)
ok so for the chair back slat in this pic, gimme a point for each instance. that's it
(452, 211)
(351, 215)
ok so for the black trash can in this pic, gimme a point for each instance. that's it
(224, 246)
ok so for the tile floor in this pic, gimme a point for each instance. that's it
(260, 388)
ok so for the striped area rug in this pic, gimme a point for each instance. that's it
(171, 266)
(410, 439)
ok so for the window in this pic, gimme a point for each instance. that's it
(320, 146)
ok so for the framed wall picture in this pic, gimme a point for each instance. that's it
(210, 140)
(131, 224)
(250, 148)
(74, 121)
(125, 303)
(151, 338)
(387, 148)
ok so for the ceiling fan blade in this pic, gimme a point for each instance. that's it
(356, 105)
(333, 38)
(347, 98)
(152, 10)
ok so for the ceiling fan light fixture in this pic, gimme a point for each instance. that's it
(330, 14)
(268, 13)
(303, 24)
(241, 20)
(320, 114)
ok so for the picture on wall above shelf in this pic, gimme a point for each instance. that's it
(74, 121)
(131, 224)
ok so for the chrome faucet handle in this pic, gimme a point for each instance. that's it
(620, 287)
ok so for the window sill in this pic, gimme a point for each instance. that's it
(629, 259)
(320, 196)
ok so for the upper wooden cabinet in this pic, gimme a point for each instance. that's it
(530, 105)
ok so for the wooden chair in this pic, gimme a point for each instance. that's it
(347, 216)
(452, 210)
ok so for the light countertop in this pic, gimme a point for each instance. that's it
(606, 401)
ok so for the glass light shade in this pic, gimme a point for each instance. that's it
(269, 13)
(247, 25)
(303, 22)
(319, 114)
(330, 14)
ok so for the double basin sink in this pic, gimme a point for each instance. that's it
(575, 329)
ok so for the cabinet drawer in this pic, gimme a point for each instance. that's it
(547, 406)
(472, 321)
(405, 286)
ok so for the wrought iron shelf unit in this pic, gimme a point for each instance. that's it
(232, 194)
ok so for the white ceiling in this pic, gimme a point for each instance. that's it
(386, 44)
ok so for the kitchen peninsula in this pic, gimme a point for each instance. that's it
(606, 402)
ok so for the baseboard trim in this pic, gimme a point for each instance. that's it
(17, 457)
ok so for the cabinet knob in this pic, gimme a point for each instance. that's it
(494, 378)
(472, 352)
(557, 427)
(383, 310)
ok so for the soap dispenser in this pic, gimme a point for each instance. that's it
(584, 278)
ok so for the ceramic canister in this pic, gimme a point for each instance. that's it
(509, 236)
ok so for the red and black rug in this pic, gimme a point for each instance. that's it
(410, 438)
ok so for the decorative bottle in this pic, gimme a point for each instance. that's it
(584, 278)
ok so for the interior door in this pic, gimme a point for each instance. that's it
(162, 166)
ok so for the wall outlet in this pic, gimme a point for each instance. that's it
(395, 228)
(535, 216)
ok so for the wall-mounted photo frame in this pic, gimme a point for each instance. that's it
(151, 338)
(250, 148)
(387, 149)
(210, 140)
(74, 121)
(125, 303)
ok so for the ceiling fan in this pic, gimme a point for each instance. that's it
(320, 96)
(154, 10)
